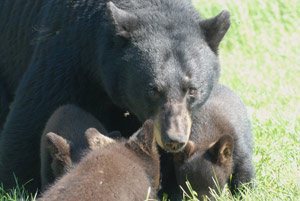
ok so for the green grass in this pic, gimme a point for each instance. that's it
(260, 58)
(17, 194)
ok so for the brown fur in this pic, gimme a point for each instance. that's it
(63, 142)
(118, 171)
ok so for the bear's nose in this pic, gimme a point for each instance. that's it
(173, 146)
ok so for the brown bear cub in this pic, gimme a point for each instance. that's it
(220, 145)
(115, 170)
(63, 142)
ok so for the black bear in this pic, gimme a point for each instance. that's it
(4, 105)
(220, 144)
(120, 170)
(63, 142)
(155, 59)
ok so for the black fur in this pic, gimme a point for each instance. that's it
(4, 105)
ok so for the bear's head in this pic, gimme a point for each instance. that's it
(205, 166)
(63, 152)
(162, 63)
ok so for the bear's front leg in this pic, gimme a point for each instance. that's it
(41, 90)
(243, 172)
(4, 105)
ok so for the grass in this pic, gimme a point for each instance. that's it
(17, 194)
(260, 58)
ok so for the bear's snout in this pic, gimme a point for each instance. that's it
(172, 127)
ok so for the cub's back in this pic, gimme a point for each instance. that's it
(113, 173)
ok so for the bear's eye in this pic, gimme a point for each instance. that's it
(153, 92)
(192, 91)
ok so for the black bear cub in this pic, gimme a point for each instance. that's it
(220, 145)
(116, 170)
(63, 142)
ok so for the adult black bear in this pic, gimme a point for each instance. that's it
(220, 144)
(121, 170)
(4, 105)
(64, 143)
(156, 59)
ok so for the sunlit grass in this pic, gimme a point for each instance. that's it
(19, 193)
(260, 58)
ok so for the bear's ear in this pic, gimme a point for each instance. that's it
(97, 140)
(58, 147)
(215, 28)
(222, 150)
(144, 138)
(123, 22)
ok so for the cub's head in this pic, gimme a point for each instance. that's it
(205, 166)
(142, 145)
(64, 153)
(161, 63)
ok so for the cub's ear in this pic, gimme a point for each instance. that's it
(215, 28)
(144, 138)
(59, 148)
(187, 152)
(222, 150)
(97, 140)
(123, 22)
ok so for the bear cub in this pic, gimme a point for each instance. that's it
(115, 170)
(63, 142)
(220, 145)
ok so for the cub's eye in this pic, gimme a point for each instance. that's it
(190, 149)
(192, 91)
